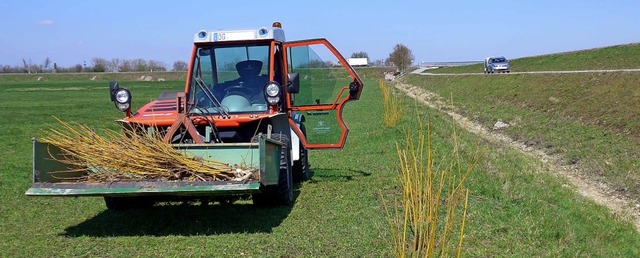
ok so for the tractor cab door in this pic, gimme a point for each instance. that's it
(321, 82)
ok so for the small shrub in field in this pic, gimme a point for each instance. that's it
(392, 105)
(433, 204)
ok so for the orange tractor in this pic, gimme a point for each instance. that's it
(251, 97)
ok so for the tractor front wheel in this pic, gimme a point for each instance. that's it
(281, 194)
(301, 166)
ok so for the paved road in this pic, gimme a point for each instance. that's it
(421, 72)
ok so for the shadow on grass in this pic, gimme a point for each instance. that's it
(337, 174)
(185, 220)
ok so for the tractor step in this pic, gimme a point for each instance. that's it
(143, 188)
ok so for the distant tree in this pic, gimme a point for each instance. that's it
(158, 66)
(37, 68)
(99, 65)
(360, 54)
(401, 57)
(12, 69)
(140, 65)
(114, 65)
(77, 68)
(180, 66)
(125, 66)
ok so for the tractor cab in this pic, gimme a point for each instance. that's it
(232, 79)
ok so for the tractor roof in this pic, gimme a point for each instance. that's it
(263, 33)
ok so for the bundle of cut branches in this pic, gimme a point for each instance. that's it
(119, 156)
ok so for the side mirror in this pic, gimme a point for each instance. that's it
(354, 89)
(294, 83)
(113, 87)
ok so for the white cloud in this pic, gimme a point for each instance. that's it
(45, 23)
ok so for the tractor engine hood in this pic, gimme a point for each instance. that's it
(155, 113)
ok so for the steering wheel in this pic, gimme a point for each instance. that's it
(202, 99)
(247, 92)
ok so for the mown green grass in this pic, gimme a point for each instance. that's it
(613, 57)
(516, 209)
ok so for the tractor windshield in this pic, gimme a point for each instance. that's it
(230, 79)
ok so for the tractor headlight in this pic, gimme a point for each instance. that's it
(123, 96)
(273, 89)
(272, 93)
(123, 99)
(123, 107)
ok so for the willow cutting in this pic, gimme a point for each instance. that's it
(120, 156)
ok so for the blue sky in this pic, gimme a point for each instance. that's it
(73, 31)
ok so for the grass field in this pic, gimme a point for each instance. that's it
(613, 57)
(516, 208)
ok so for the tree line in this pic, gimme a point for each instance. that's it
(401, 58)
(97, 65)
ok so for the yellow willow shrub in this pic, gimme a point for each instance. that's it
(433, 204)
(392, 105)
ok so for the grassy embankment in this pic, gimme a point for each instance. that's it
(613, 57)
(591, 120)
(515, 208)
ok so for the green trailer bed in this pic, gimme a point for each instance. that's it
(263, 155)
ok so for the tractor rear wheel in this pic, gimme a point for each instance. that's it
(281, 194)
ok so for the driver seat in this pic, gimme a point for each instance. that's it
(247, 89)
(249, 69)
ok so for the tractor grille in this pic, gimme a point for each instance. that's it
(162, 107)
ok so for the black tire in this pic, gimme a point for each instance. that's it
(128, 203)
(301, 166)
(281, 194)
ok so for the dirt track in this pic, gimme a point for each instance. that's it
(587, 187)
